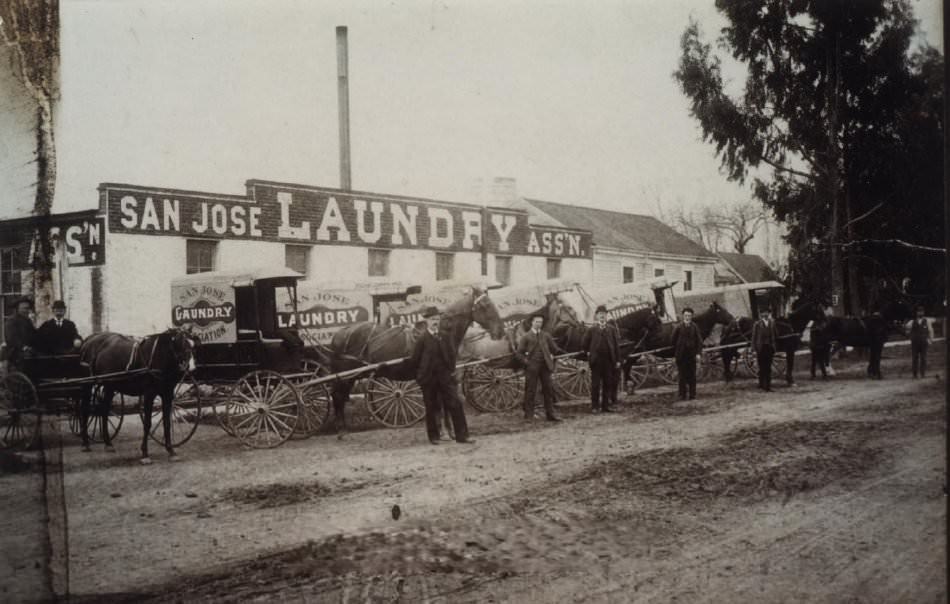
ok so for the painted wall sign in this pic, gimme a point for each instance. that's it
(207, 309)
(84, 240)
(306, 215)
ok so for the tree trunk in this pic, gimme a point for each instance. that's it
(834, 179)
(42, 209)
(854, 283)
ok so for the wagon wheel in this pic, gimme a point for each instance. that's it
(639, 372)
(186, 413)
(490, 390)
(572, 378)
(666, 370)
(215, 397)
(393, 403)
(115, 417)
(19, 411)
(263, 409)
(316, 400)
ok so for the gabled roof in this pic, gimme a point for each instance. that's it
(635, 232)
(749, 267)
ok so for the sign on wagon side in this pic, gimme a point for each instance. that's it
(208, 310)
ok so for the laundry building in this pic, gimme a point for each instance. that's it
(114, 263)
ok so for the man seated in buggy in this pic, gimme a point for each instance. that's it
(58, 336)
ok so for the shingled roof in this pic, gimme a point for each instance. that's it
(751, 268)
(635, 232)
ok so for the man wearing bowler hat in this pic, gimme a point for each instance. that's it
(687, 343)
(58, 335)
(536, 350)
(19, 334)
(434, 360)
(602, 345)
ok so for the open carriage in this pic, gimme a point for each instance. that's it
(51, 385)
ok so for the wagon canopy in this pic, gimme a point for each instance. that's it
(621, 299)
(238, 277)
(216, 305)
(742, 300)
(439, 294)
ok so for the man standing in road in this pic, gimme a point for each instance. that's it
(19, 332)
(921, 335)
(58, 335)
(434, 360)
(764, 344)
(536, 350)
(687, 343)
(602, 345)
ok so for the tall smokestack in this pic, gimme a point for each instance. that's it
(343, 96)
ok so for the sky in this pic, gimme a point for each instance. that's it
(575, 100)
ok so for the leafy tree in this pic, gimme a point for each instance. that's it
(29, 31)
(842, 118)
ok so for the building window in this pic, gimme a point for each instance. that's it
(503, 269)
(297, 258)
(444, 266)
(687, 281)
(628, 274)
(554, 268)
(201, 255)
(658, 272)
(10, 272)
(378, 263)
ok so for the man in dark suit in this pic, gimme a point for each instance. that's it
(687, 343)
(536, 350)
(764, 343)
(602, 345)
(58, 335)
(19, 334)
(434, 360)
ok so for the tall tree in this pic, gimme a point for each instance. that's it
(831, 106)
(29, 30)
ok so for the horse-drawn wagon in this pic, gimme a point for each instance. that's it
(78, 384)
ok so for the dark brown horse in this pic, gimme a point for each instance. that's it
(869, 332)
(154, 365)
(368, 343)
(788, 332)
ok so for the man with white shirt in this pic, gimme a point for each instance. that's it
(58, 335)
(921, 335)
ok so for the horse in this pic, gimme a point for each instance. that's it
(659, 336)
(156, 363)
(367, 343)
(478, 345)
(788, 334)
(869, 332)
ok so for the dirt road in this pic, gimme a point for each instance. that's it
(822, 492)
